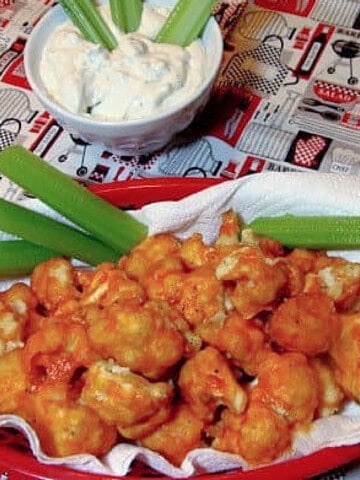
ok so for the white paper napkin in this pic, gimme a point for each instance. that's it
(267, 194)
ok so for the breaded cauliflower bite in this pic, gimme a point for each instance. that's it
(54, 353)
(331, 395)
(340, 280)
(54, 283)
(64, 426)
(124, 399)
(146, 256)
(259, 282)
(180, 434)
(195, 253)
(16, 306)
(202, 297)
(259, 435)
(241, 340)
(20, 299)
(287, 384)
(345, 353)
(11, 330)
(108, 285)
(206, 382)
(14, 381)
(140, 337)
(304, 323)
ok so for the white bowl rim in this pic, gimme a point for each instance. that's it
(91, 121)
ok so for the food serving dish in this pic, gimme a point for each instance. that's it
(16, 462)
(136, 136)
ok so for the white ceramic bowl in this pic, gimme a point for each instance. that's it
(135, 136)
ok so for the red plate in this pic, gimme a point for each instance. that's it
(136, 193)
(16, 460)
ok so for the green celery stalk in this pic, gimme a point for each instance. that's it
(110, 225)
(19, 257)
(88, 20)
(126, 14)
(79, 19)
(314, 232)
(45, 231)
(185, 22)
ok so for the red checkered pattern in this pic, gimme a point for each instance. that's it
(99, 173)
(306, 151)
(335, 88)
(335, 93)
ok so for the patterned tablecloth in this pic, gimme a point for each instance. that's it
(287, 99)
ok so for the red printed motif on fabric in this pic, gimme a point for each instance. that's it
(334, 93)
(307, 150)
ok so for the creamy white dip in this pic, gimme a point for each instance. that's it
(136, 80)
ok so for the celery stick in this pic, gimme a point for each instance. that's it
(88, 20)
(185, 22)
(126, 14)
(324, 233)
(107, 223)
(108, 39)
(19, 257)
(79, 19)
(42, 230)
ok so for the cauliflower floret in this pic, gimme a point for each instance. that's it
(259, 435)
(140, 337)
(64, 426)
(125, 399)
(305, 323)
(180, 434)
(259, 281)
(287, 383)
(54, 283)
(14, 381)
(206, 381)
